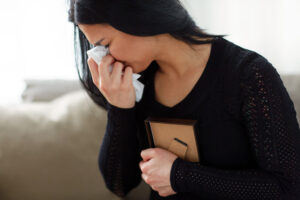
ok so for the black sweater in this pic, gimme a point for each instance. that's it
(249, 137)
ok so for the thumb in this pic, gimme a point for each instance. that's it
(147, 154)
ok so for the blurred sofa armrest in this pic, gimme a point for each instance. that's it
(46, 90)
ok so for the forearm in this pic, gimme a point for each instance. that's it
(119, 154)
(207, 182)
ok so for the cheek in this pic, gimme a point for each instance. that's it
(131, 53)
(118, 52)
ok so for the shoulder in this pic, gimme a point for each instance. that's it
(242, 64)
(242, 70)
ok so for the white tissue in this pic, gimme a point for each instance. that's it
(98, 52)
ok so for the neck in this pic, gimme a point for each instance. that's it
(176, 58)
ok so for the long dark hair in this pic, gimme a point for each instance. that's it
(95, 12)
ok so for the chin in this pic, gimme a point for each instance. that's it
(135, 71)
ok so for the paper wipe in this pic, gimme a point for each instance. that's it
(98, 52)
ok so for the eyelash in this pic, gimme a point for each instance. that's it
(106, 46)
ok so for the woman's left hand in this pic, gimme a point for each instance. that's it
(156, 169)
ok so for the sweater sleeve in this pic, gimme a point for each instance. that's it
(273, 131)
(119, 153)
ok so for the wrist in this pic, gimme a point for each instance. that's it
(114, 107)
(175, 174)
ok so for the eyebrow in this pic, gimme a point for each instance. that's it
(98, 43)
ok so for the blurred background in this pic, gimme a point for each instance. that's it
(51, 131)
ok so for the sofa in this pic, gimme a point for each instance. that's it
(49, 146)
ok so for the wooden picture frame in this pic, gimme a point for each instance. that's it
(179, 136)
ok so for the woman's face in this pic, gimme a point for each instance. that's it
(135, 51)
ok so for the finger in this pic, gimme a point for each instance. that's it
(147, 154)
(103, 67)
(116, 75)
(145, 166)
(145, 178)
(94, 70)
(127, 79)
(141, 165)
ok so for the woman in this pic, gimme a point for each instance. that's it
(249, 142)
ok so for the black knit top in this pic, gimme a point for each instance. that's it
(249, 137)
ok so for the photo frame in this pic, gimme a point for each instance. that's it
(179, 136)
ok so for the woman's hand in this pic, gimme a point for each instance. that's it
(156, 169)
(116, 88)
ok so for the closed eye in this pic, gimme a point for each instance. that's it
(106, 46)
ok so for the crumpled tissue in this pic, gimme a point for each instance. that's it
(98, 52)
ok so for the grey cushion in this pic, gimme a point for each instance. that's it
(49, 150)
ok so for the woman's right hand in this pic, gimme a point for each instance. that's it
(116, 88)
